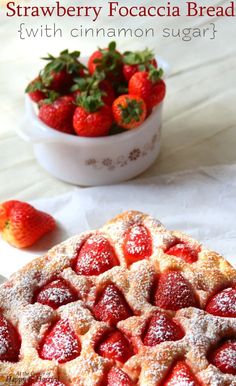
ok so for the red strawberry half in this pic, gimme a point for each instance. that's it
(223, 303)
(95, 257)
(161, 329)
(181, 374)
(117, 377)
(115, 346)
(9, 341)
(137, 244)
(224, 357)
(174, 292)
(22, 225)
(56, 294)
(60, 343)
(111, 306)
(184, 252)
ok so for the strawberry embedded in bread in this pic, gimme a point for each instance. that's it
(181, 375)
(223, 303)
(117, 377)
(184, 251)
(10, 341)
(160, 329)
(60, 343)
(115, 346)
(111, 306)
(174, 292)
(137, 244)
(96, 256)
(56, 294)
(22, 225)
(224, 357)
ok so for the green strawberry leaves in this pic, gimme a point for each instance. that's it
(138, 57)
(132, 111)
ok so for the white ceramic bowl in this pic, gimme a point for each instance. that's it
(93, 161)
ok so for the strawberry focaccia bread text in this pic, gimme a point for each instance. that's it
(129, 304)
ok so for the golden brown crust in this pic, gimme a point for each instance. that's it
(207, 275)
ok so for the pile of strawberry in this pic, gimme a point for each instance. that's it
(116, 92)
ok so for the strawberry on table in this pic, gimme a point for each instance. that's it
(58, 74)
(129, 111)
(108, 60)
(149, 86)
(57, 112)
(22, 225)
(135, 61)
(117, 377)
(92, 118)
(36, 90)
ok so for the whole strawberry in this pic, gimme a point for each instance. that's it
(92, 118)
(36, 90)
(58, 113)
(108, 60)
(149, 86)
(22, 225)
(137, 61)
(94, 84)
(58, 74)
(129, 111)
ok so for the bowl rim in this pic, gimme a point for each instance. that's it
(76, 139)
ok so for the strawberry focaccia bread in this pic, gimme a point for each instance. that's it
(129, 304)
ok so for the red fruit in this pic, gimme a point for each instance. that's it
(117, 377)
(161, 329)
(224, 357)
(56, 294)
(59, 114)
(61, 81)
(60, 343)
(115, 346)
(44, 382)
(135, 61)
(107, 60)
(9, 341)
(137, 244)
(111, 306)
(129, 111)
(174, 292)
(151, 89)
(36, 90)
(92, 124)
(109, 94)
(95, 257)
(223, 303)
(184, 251)
(59, 72)
(181, 374)
(22, 225)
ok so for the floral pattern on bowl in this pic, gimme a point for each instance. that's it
(123, 160)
